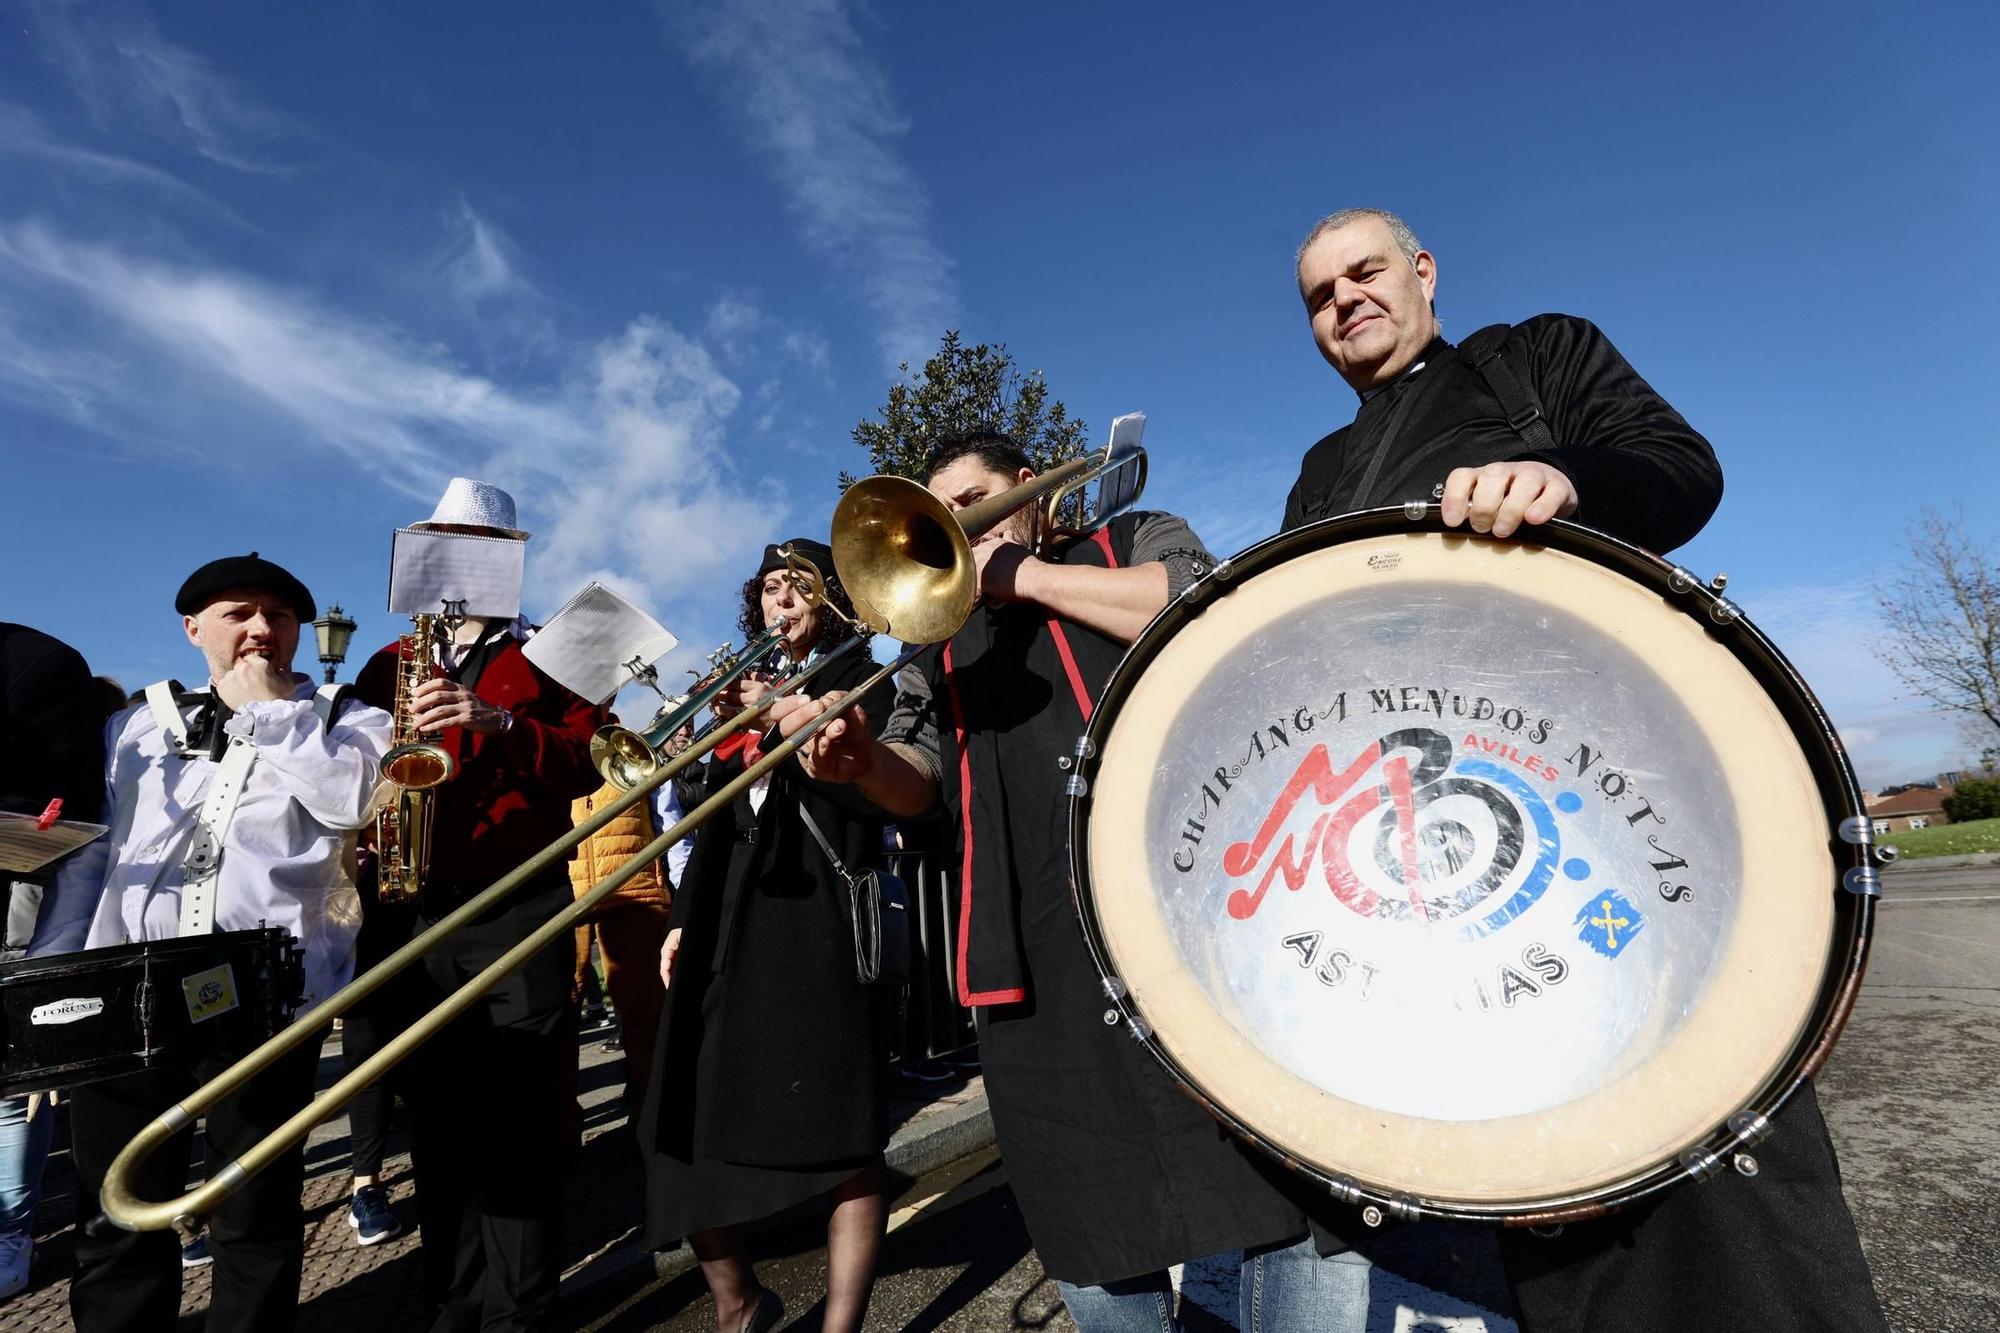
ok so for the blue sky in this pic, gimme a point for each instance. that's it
(269, 275)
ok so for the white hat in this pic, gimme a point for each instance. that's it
(477, 504)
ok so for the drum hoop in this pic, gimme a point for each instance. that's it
(1850, 835)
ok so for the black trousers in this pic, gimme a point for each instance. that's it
(371, 1025)
(489, 1093)
(132, 1280)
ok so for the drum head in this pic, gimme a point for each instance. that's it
(1478, 874)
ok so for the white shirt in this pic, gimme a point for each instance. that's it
(285, 858)
(667, 810)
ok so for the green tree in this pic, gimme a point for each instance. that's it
(965, 389)
(1976, 798)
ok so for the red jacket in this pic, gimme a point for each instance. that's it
(511, 796)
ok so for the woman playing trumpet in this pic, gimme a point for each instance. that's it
(766, 1079)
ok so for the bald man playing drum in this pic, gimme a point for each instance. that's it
(1506, 430)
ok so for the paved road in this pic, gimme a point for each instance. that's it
(1907, 1094)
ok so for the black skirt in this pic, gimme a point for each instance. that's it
(688, 1192)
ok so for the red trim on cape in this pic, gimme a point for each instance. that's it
(1013, 995)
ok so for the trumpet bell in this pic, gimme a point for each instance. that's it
(622, 756)
(419, 765)
(904, 559)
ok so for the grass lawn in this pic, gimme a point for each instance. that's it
(1981, 835)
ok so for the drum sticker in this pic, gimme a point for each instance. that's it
(66, 1011)
(209, 993)
(1608, 923)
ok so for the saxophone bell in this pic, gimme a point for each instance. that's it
(413, 765)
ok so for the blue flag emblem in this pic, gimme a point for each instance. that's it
(1608, 922)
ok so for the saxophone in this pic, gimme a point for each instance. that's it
(413, 766)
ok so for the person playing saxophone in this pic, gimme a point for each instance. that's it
(489, 1093)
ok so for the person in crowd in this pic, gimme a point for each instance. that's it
(489, 1095)
(766, 1090)
(1510, 428)
(629, 926)
(51, 748)
(305, 770)
(365, 1029)
(1119, 1175)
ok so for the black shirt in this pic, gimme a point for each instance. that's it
(1640, 471)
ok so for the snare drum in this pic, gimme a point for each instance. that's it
(82, 1017)
(1480, 879)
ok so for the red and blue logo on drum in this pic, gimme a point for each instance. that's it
(1434, 865)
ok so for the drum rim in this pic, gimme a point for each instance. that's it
(1850, 837)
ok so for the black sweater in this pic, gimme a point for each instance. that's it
(1640, 471)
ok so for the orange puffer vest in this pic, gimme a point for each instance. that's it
(612, 846)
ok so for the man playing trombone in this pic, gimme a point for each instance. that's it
(304, 773)
(1119, 1175)
(490, 1091)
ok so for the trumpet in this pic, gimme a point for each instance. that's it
(909, 570)
(625, 757)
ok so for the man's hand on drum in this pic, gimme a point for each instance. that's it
(841, 751)
(1500, 497)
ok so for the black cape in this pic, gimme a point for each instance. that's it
(1118, 1173)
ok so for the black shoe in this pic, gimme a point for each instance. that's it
(765, 1314)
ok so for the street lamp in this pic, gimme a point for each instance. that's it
(334, 630)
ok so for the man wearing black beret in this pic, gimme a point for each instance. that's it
(273, 779)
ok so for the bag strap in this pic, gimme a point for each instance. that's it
(839, 867)
(1517, 400)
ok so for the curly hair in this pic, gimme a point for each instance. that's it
(833, 629)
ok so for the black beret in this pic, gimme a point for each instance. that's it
(243, 571)
(805, 547)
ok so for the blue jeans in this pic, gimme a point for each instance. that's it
(24, 1146)
(1290, 1289)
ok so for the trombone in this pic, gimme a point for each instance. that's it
(909, 569)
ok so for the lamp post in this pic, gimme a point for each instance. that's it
(334, 630)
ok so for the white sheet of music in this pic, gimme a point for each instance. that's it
(26, 848)
(586, 645)
(427, 569)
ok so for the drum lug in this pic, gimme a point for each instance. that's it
(1863, 880)
(1886, 854)
(1701, 1165)
(1072, 764)
(1724, 612)
(1344, 1189)
(1371, 1216)
(1204, 587)
(1681, 579)
(1415, 510)
(1140, 1029)
(1718, 583)
(1750, 1128)
(1745, 1164)
(1857, 830)
(1114, 989)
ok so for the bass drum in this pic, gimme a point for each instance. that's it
(1476, 879)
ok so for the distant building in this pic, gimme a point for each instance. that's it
(1919, 805)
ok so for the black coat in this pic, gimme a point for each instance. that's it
(765, 980)
(1640, 471)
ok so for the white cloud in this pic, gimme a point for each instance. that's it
(619, 459)
(24, 137)
(483, 262)
(124, 71)
(797, 77)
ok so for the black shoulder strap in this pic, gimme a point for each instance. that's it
(1517, 400)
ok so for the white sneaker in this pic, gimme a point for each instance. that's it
(17, 1252)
